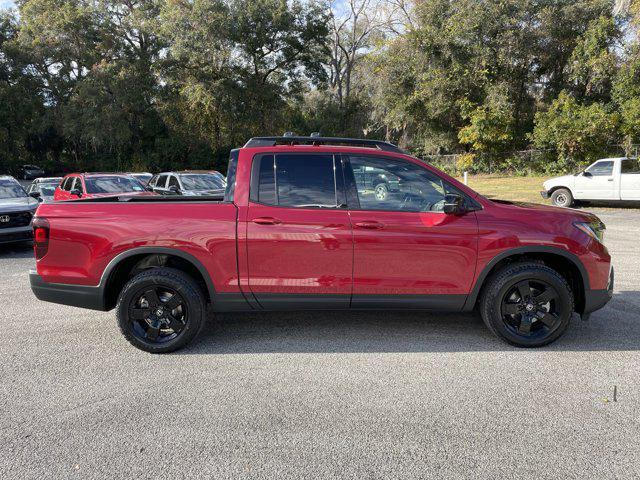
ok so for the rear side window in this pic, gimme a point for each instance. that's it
(631, 165)
(297, 180)
(231, 176)
(601, 169)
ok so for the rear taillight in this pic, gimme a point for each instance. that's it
(40, 237)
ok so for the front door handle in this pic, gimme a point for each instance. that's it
(609, 179)
(266, 221)
(371, 225)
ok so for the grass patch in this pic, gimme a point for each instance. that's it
(520, 189)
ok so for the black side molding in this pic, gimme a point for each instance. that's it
(74, 295)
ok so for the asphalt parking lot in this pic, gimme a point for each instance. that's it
(321, 395)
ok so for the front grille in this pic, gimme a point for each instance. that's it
(15, 219)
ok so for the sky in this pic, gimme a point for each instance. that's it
(6, 3)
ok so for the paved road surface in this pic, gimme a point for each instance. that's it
(321, 395)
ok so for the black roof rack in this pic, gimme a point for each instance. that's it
(313, 140)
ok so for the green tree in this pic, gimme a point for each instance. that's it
(578, 133)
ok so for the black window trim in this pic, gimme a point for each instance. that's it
(339, 186)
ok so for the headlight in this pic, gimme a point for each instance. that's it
(595, 229)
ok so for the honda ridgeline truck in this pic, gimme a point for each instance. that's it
(297, 230)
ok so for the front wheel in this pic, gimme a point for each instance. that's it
(381, 192)
(527, 304)
(562, 198)
(161, 310)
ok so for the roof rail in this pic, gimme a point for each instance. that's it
(313, 140)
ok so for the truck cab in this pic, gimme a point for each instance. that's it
(607, 179)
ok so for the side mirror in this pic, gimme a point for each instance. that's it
(35, 194)
(76, 192)
(174, 189)
(453, 204)
(587, 174)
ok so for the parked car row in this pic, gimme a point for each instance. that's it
(18, 205)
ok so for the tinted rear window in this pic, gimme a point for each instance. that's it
(295, 180)
(631, 165)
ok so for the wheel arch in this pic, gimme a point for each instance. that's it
(558, 187)
(124, 265)
(564, 262)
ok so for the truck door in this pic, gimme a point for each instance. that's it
(630, 179)
(299, 240)
(407, 251)
(597, 182)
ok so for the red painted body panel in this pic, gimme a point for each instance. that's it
(313, 251)
(86, 236)
(308, 251)
(414, 253)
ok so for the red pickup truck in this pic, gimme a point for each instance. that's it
(304, 225)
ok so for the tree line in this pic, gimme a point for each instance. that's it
(164, 84)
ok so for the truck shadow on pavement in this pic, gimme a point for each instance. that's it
(16, 250)
(614, 328)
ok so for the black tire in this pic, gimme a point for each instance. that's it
(148, 322)
(562, 198)
(506, 308)
(381, 192)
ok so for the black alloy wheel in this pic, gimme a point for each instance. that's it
(158, 314)
(527, 304)
(531, 308)
(161, 310)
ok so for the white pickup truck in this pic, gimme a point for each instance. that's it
(608, 179)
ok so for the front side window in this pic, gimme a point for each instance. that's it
(396, 185)
(173, 181)
(296, 180)
(162, 181)
(631, 166)
(601, 169)
(108, 184)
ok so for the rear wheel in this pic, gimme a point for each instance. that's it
(527, 304)
(161, 310)
(562, 198)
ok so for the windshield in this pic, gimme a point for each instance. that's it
(112, 185)
(11, 189)
(203, 181)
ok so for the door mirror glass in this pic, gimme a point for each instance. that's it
(587, 174)
(76, 192)
(453, 204)
(174, 189)
(34, 194)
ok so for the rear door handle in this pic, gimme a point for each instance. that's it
(266, 221)
(370, 225)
